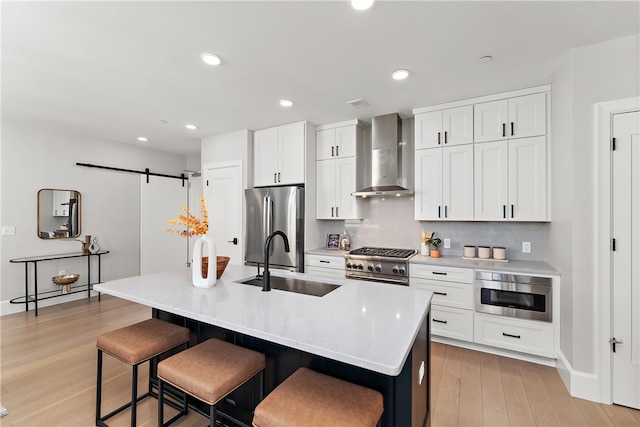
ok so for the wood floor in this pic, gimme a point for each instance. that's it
(48, 367)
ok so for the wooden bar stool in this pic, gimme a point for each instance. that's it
(308, 398)
(134, 345)
(209, 371)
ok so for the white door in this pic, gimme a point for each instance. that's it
(160, 200)
(626, 259)
(224, 195)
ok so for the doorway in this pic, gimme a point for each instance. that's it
(618, 267)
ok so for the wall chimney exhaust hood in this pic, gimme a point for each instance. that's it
(391, 162)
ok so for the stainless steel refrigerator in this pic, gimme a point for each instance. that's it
(271, 209)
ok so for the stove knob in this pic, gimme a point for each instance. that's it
(370, 267)
(378, 268)
(402, 271)
(348, 265)
(395, 269)
(360, 267)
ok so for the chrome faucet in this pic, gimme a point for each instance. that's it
(266, 275)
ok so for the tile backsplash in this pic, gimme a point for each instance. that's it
(390, 223)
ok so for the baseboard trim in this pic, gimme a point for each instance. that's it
(580, 384)
(7, 308)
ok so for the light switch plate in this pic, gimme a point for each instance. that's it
(8, 231)
(447, 243)
(526, 247)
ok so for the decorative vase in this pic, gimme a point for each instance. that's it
(94, 247)
(435, 253)
(424, 249)
(85, 245)
(206, 278)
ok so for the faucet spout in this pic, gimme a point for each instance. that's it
(266, 275)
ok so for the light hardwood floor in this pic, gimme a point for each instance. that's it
(49, 363)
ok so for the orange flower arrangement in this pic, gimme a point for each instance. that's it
(195, 226)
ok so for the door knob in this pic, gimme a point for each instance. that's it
(234, 241)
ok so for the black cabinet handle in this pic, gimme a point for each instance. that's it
(337, 151)
(332, 151)
(234, 241)
(504, 129)
(438, 211)
(445, 211)
(511, 336)
(445, 136)
(278, 176)
(337, 215)
(444, 294)
(325, 262)
(439, 273)
(332, 211)
(440, 321)
(511, 211)
(511, 128)
(504, 211)
(438, 138)
(275, 180)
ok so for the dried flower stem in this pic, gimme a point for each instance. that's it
(195, 226)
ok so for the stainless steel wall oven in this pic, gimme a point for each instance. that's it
(525, 297)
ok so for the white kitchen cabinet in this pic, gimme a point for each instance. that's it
(60, 205)
(452, 304)
(510, 180)
(444, 183)
(518, 117)
(279, 155)
(526, 336)
(336, 142)
(452, 126)
(330, 266)
(337, 176)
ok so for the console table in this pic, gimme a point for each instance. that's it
(35, 297)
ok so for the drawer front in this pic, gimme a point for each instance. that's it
(519, 335)
(323, 261)
(450, 294)
(452, 323)
(446, 274)
(330, 273)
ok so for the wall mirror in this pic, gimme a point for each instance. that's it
(58, 213)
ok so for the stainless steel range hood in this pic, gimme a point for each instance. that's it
(391, 162)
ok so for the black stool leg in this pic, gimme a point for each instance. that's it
(212, 416)
(134, 395)
(160, 403)
(99, 386)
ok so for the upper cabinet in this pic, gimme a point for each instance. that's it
(60, 205)
(338, 148)
(279, 155)
(518, 117)
(451, 126)
(500, 175)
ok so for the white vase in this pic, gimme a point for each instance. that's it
(196, 269)
(424, 249)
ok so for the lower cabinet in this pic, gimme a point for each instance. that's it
(330, 266)
(452, 303)
(526, 336)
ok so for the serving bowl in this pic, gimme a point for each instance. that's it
(65, 281)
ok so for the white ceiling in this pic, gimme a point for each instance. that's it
(114, 70)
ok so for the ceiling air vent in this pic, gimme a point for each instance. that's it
(358, 103)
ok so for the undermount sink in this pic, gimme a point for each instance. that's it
(290, 284)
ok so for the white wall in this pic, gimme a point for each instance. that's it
(591, 74)
(35, 157)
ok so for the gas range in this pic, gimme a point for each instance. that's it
(387, 265)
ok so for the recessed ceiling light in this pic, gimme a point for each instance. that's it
(191, 127)
(361, 4)
(400, 74)
(211, 59)
(286, 103)
(485, 59)
(142, 139)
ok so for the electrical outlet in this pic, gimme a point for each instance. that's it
(526, 247)
(447, 243)
(62, 272)
(8, 231)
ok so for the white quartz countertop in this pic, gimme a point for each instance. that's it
(513, 266)
(365, 324)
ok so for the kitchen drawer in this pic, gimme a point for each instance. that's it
(526, 336)
(450, 294)
(330, 273)
(452, 323)
(324, 261)
(445, 274)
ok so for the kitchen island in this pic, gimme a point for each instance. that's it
(372, 334)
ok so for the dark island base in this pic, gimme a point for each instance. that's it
(406, 396)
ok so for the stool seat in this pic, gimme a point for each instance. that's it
(308, 398)
(211, 370)
(142, 341)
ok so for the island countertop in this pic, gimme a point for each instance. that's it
(366, 324)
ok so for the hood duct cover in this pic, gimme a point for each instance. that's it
(391, 164)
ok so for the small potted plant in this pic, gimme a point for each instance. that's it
(435, 243)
